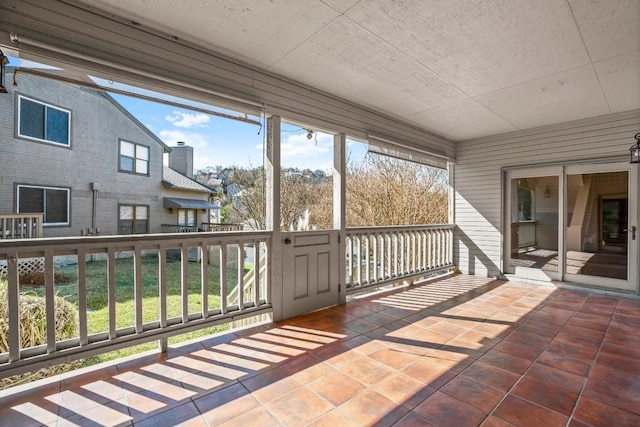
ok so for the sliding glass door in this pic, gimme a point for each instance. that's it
(573, 223)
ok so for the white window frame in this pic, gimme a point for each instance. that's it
(46, 105)
(43, 187)
(135, 157)
(185, 213)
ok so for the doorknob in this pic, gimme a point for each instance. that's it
(287, 241)
(633, 232)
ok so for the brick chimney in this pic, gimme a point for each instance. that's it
(181, 159)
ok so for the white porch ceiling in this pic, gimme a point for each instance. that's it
(459, 68)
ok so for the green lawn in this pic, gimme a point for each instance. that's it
(66, 286)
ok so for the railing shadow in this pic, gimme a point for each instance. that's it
(391, 352)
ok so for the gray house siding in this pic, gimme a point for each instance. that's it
(479, 171)
(97, 126)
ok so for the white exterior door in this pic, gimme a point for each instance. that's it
(310, 271)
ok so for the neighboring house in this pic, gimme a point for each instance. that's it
(186, 200)
(76, 155)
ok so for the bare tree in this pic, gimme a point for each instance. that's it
(387, 191)
(380, 191)
(298, 194)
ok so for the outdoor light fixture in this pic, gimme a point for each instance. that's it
(309, 133)
(3, 61)
(635, 149)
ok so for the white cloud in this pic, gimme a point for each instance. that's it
(298, 146)
(186, 120)
(194, 139)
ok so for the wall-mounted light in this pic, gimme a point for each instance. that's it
(635, 149)
(170, 210)
(547, 192)
(309, 133)
(3, 61)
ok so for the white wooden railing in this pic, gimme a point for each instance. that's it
(525, 232)
(381, 255)
(21, 226)
(375, 256)
(147, 261)
(250, 280)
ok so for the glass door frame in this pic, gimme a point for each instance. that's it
(531, 172)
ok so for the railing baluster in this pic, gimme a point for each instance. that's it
(162, 284)
(184, 281)
(395, 254)
(223, 278)
(111, 291)
(348, 242)
(359, 260)
(137, 286)
(429, 251)
(13, 296)
(204, 279)
(267, 282)
(419, 251)
(256, 269)
(82, 295)
(374, 250)
(450, 245)
(50, 302)
(163, 343)
(240, 268)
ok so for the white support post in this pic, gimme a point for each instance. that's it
(452, 208)
(272, 188)
(340, 207)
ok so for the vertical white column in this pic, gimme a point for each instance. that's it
(272, 188)
(340, 207)
(454, 247)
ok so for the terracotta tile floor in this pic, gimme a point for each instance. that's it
(461, 351)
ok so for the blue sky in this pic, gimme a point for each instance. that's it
(220, 141)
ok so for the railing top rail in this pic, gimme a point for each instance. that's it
(21, 215)
(396, 228)
(101, 243)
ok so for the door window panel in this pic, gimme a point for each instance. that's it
(534, 222)
(597, 222)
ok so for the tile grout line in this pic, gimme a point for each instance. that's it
(586, 380)
(508, 393)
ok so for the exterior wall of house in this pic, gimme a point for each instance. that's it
(479, 171)
(97, 126)
(172, 217)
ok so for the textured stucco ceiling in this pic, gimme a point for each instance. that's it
(460, 68)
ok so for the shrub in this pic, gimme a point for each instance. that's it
(33, 328)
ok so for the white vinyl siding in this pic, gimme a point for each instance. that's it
(479, 182)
